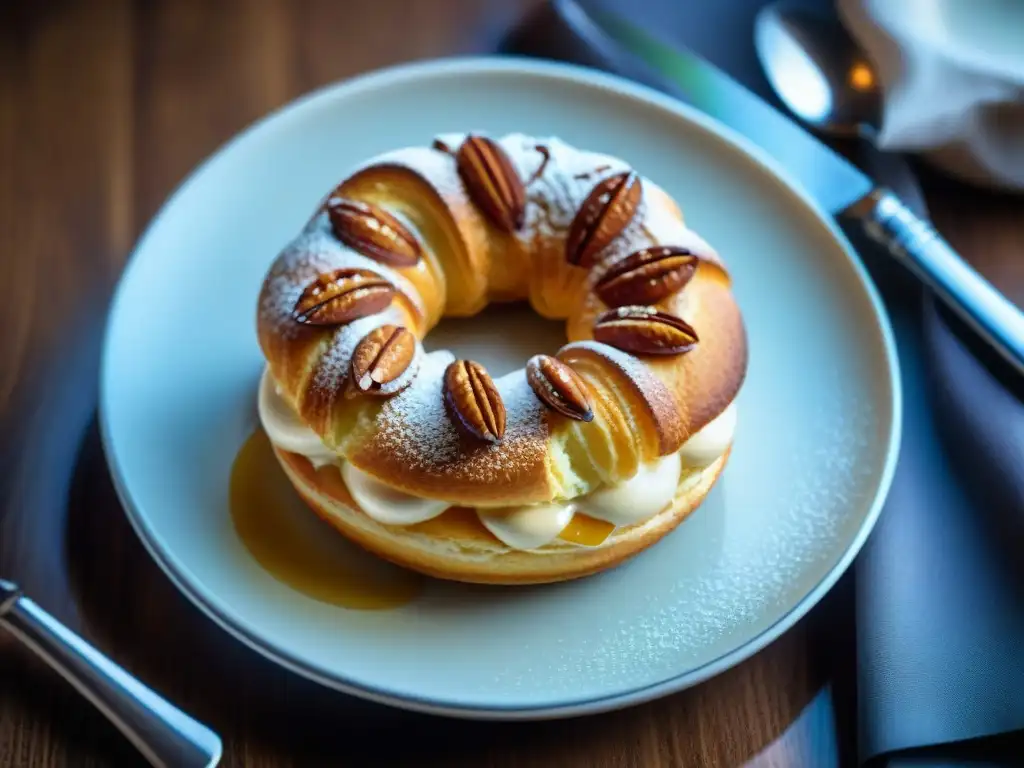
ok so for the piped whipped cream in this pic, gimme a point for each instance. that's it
(641, 497)
(386, 504)
(527, 527)
(286, 430)
(707, 444)
(632, 501)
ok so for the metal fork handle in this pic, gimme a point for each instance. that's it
(916, 244)
(165, 735)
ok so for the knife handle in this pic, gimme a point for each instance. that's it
(165, 735)
(915, 243)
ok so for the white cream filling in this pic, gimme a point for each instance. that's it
(386, 504)
(527, 527)
(286, 430)
(707, 444)
(632, 501)
(641, 497)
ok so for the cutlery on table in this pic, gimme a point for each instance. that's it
(164, 735)
(834, 183)
(818, 71)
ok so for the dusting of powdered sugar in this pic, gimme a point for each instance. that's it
(308, 255)
(567, 175)
(631, 367)
(558, 178)
(418, 435)
(556, 195)
(330, 377)
(312, 253)
(662, 226)
(319, 223)
(435, 167)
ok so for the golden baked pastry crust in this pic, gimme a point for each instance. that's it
(645, 406)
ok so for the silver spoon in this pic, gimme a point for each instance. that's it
(826, 80)
(165, 735)
(819, 71)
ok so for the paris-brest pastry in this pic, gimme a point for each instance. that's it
(562, 468)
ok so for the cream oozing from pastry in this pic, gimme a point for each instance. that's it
(632, 501)
(641, 497)
(707, 444)
(527, 527)
(386, 504)
(286, 430)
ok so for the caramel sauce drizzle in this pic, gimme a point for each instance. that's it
(298, 549)
(291, 544)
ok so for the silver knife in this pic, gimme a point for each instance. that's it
(836, 184)
(166, 736)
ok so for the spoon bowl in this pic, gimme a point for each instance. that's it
(818, 71)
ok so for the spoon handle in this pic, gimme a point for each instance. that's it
(915, 243)
(164, 735)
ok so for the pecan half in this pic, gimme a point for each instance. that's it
(607, 211)
(373, 232)
(559, 387)
(341, 296)
(492, 182)
(644, 331)
(646, 276)
(381, 357)
(471, 395)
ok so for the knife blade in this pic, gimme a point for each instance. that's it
(836, 184)
(831, 180)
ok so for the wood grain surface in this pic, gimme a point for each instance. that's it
(104, 108)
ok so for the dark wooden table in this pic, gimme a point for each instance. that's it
(104, 107)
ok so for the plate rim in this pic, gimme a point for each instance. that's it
(577, 75)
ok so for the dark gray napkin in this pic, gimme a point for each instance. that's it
(940, 620)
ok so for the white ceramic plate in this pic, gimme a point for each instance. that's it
(816, 447)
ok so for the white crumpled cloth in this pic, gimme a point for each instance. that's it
(953, 76)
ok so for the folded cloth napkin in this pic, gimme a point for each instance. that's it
(953, 77)
(940, 619)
